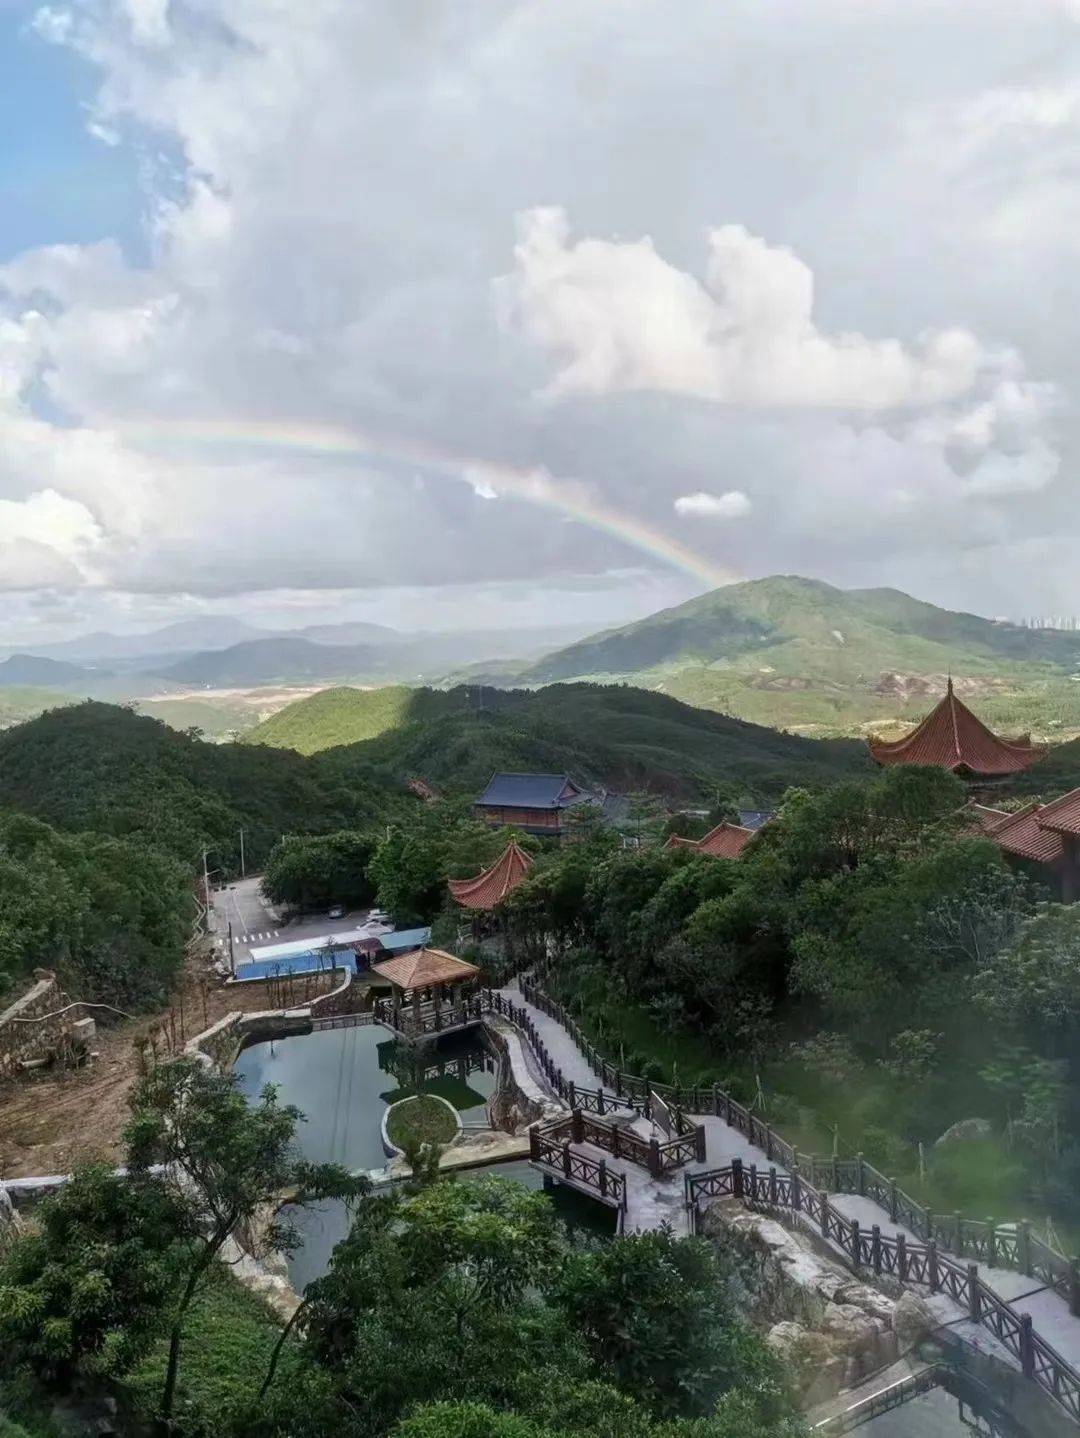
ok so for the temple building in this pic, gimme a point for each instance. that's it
(951, 737)
(1043, 836)
(491, 886)
(726, 841)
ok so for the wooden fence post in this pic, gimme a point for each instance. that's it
(716, 1101)
(855, 1239)
(768, 1142)
(654, 1158)
(796, 1190)
(932, 1266)
(894, 1206)
(860, 1175)
(571, 1093)
(602, 1171)
(616, 1147)
(699, 1143)
(1023, 1246)
(991, 1243)
(835, 1184)
(736, 1178)
(1074, 1287)
(824, 1216)
(974, 1305)
(1027, 1346)
(566, 1158)
(600, 1102)
(875, 1249)
(959, 1222)
(753, 1183)
(772, 1186)
(901, 1257)
(534, 1144)
(577, 1127)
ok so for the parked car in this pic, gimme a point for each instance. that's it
(379, 916)
(337, 912)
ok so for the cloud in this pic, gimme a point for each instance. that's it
(848, 295)
(615, 316)
(731, 505)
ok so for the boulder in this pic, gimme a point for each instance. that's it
(913, 1320)
(966, 1130)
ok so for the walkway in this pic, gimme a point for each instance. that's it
(651, 1202)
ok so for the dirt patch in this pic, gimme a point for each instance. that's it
(52, 1120)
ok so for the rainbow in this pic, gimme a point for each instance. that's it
(567, 497)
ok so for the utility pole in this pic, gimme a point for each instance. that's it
(206, 896)
(232, 956)
(243, 872)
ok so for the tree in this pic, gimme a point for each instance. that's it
(84, 1295)
(315, 871)
(658, 1316)
(1035, 981)
(228, 1161)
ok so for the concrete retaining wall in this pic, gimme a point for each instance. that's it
(21, 1041)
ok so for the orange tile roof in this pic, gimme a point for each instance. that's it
(951, 737)
(726, 841)
(424, 967)
(492, 885)
(1022, 834)
(1063, 815)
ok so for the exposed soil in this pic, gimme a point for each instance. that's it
(53, 1119)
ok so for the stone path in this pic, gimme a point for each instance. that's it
(651, 1202)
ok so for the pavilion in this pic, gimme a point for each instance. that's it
(726, 841)
(492, 885)
(430, 992)
(951, 737)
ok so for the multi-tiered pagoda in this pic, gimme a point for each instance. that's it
(951, 737)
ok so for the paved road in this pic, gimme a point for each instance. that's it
(255, 923)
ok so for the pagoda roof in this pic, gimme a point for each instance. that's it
(951, 737)
(491, 886)
(726, 841)
(424, 967)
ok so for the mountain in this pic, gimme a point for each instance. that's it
(611, 735)
(276, 660)
(182, 637)
(29, 670)
(801, 653)
(352, 632)
(100, 767)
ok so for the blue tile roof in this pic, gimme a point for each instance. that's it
(755, 818)
(530, 791)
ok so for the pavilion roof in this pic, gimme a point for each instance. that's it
(491, 886)
(951, 737)
(530, 791)
(424, 967)
(726, 841)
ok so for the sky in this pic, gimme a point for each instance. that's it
(533, 312)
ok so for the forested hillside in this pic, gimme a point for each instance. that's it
(98, 767)
(800, 653)
(621, 737)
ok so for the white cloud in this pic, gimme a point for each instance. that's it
(733, 504)
(615, 316)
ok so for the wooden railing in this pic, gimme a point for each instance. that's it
(560, 1157)
(1000, 1245)
(657, 1157)
(895, 1256)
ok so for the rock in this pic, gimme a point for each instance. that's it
(967, 1130)
(913, 1320)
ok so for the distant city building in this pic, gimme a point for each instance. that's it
(951, 737)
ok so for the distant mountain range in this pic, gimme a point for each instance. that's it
(800, 653)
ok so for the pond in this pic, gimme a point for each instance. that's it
(343, 1079)
(325, 1225)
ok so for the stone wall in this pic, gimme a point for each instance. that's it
(22, 1042)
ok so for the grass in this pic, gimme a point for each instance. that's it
(421, 1119)
(228, 1340)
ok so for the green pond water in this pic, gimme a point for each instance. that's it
(342, 1080)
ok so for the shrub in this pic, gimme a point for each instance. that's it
(885, 1151)
(653, 1071)
(827, 1056)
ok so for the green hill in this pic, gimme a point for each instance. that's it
(801, 653)
(614, 735)
(98, 767)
